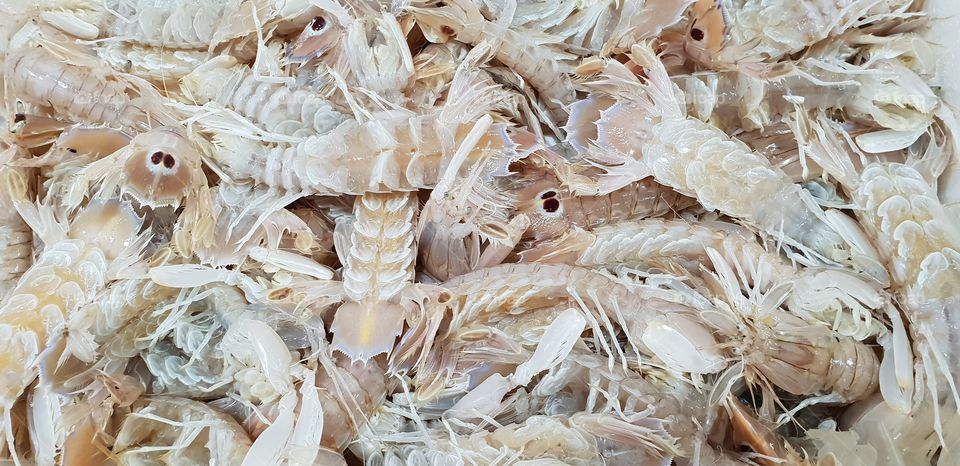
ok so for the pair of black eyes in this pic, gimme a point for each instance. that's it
(166, 159)
(550, 202)
(318, 23)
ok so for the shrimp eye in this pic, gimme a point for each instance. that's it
(19, 117)
(447, 30)
(318, 23)
(441, 4)
(551, 205)
(71, 150)
(696, 34)
(168, 161)
(156, 158)
(548, 195)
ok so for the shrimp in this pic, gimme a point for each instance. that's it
(919, 241)
(843, 300)
(719, 31)
(158, 168)
(182, 24)
(161, 66)
(277, 108)
(172, 430)
(605, 301)
(79, 87)
(464, 225)
(393, 153)
(584, 382)
(786, 351)
(378, 266)
(580, 439)
(94, 323)
(700, 161)
(16, 238)
(463, 21)
(73, 266)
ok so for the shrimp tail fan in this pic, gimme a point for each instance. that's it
(364, 330)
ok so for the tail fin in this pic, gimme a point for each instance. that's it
(364, 330)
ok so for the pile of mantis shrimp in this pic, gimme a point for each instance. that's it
(477, 232)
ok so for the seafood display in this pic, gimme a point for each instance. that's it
(477, 232)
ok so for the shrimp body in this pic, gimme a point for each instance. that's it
(699, 160)
(16, 238)
(159, 65)
(920, 242)
(805, 362)
(784, 27)
(182, 24)
(66, 275)
(521, 287)
(398, 152)
(172, 430)
(462, 20)
(581, 439)
(79, 92)
(274, 106)
(843, 300)
(95, 323)
(380, 261)
(378, 266)
(724, 174)
(553, 210)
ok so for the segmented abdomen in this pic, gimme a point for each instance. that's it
(700, 160)
(275, 106)
(185, 24)
(16, 238)
(382, 252)
(95, 323)
(65, 276)
(911, 227)
(798, 24)
(39, 77)
(377, 156)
